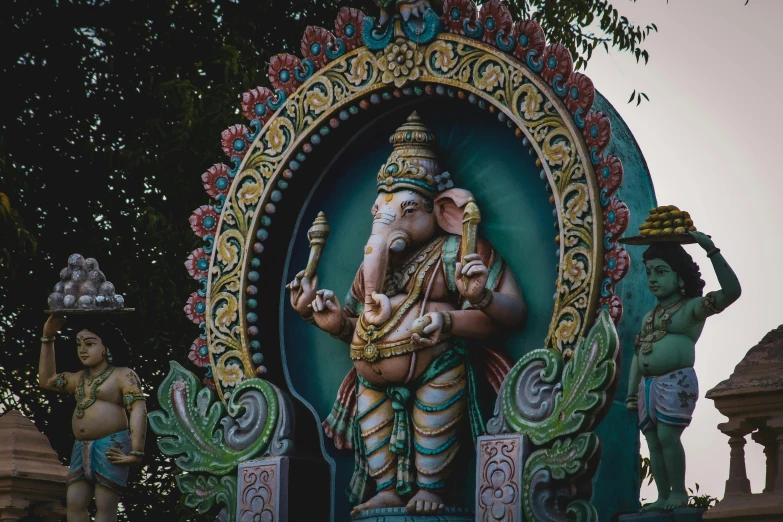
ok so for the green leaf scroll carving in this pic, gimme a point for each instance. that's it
(205, 492)
(566, 463)
(546, 399)
(189, 424)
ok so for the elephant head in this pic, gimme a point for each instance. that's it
(415, 203)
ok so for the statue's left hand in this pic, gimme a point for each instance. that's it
(426, 329)
(472, 277)
(119, 458)
(703, 240)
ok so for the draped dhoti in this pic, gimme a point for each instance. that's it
(402, 430)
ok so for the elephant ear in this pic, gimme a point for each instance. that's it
(449, 207)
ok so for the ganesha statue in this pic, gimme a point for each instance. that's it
(427, 292)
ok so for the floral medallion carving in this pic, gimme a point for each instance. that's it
(499, 471)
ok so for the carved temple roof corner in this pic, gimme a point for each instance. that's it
(752, 399)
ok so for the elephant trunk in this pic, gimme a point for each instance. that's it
(377, 309)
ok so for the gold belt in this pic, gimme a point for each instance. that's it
(371, 352)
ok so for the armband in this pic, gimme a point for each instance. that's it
(60, 382)
(447, 321)
(486, 299)
(131, 397)
(346, 331)
(708, 302)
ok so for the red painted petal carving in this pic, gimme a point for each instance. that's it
(281, 72)
(580, 94)
(195, 353)
(614, 305)
(209, 383)
(348, 26)
(195, 308)
(216, 180)
(314, 44)
(254, 104)
(192, 264)
(494, 16)
(530, 37)
(557, 62)
(597, 131)
(617, 263)
(610, 174)
(234, 141)
(616, 216)
(204, 220)
(456, 12)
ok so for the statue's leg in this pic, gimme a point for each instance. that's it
(438, 410)
(658, 467)
(106, 502)
(674, 456)
(78, 498)
(375, 415)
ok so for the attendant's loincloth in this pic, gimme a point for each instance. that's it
(669, 398)
(89, 461)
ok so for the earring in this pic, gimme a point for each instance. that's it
(109, 357)
(682, 292)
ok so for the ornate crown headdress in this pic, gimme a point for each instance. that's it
(413, 164)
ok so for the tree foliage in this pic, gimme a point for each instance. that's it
(111, 111)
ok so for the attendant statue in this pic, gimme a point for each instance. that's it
(663, 387)
(106, 442)
(426, 286)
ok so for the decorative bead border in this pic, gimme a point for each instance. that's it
(328, 54)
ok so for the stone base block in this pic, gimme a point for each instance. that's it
(283, 489)
(760, 507)
(675, 515)
(450, 514)
(500, 459)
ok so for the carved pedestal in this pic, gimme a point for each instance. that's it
(282, 489)
(752, 399)
(501, 459)
(32, 479)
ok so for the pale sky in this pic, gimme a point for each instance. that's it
(711, 137)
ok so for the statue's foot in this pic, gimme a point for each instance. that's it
(657, 505)
(386, 498)
(676, 500)
(425, 502)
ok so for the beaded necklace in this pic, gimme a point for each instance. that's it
(95, 386)
(644, 343)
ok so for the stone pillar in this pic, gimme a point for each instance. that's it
(738, 483)
(775, 464)
(768, 439)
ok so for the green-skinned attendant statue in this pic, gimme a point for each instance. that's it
(663, 387)
(107, 396)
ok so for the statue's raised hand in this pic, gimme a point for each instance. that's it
(302, 293)
(327, 312)
(472, 277)
(703, 240)
(53, 325)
